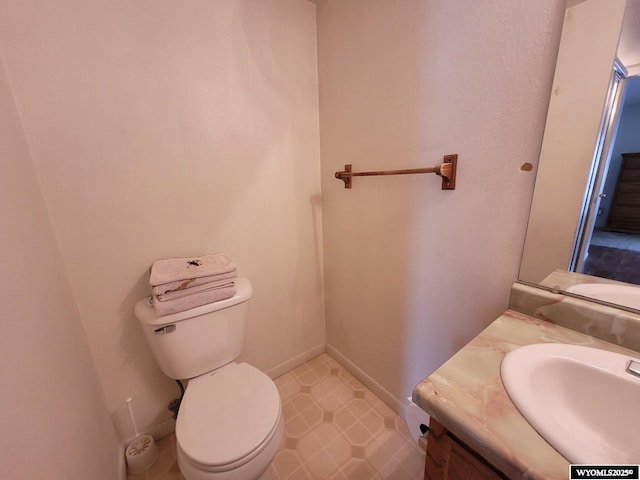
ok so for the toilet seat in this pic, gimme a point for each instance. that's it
(227, 417)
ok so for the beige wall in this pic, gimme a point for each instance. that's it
(414, 272)
(162, 129)
(54, 419)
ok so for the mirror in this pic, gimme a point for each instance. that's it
(579, 192)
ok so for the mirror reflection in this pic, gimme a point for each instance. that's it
(585, 215)
(612, 245)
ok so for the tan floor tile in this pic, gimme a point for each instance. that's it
(330, 361)
(308, 446)
(338, 476)
(412, 459)
(302, 401)
(357, 469)
(402, 427)
(331, 383)
(390, 423)
(355, 384)
(166, 443)
(393, 441)
(359, 407)
(288, 390)
(326, 433)
(345, 375)
(375, 402)
(284, 379)
(163, 465)
(273, 475)
(320, 389)
(175, 468)
(416, 469)
(340, 450)
(286, 462)
(295, 426)
(394, 471)
(330, 403)
(289, 443)
(308, 378)
(300, 474)
(358, 393)
(343, 392)
(288, 410)
(312, 415)
(344, 418)
(372, 421)
(382, 408)
(358, 435)
(322, 371)
(300, 370)
(377, 455)
(357, 452)
(315, 362)
(321, 466)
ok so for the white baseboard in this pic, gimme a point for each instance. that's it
(415, 416)
(398, 405)
(296, 361)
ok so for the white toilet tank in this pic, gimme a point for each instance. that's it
(190, 343)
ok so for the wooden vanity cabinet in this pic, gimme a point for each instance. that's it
(450, 459)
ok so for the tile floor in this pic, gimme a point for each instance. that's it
(335, 429)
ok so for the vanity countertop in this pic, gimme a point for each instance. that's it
(562, 280)
(467, 397)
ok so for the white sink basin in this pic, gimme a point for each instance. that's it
(619, 294)
(581, 400)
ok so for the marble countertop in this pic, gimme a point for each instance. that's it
(466, 395)
(562, 279)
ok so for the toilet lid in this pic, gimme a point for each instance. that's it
(226, 414)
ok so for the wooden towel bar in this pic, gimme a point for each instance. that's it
(446, 170)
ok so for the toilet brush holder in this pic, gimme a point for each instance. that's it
(142, 452)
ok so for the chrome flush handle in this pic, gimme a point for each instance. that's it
(172, 328)
(633, 368)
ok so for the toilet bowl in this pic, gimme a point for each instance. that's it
(230, 424)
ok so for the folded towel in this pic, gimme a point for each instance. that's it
(193, 290)
(192, 301)
(190, 283)
(174, 269)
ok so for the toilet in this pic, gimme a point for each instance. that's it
(230, 422)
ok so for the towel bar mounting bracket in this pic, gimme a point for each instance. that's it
(446, 170)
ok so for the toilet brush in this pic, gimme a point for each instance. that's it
(142, 452)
